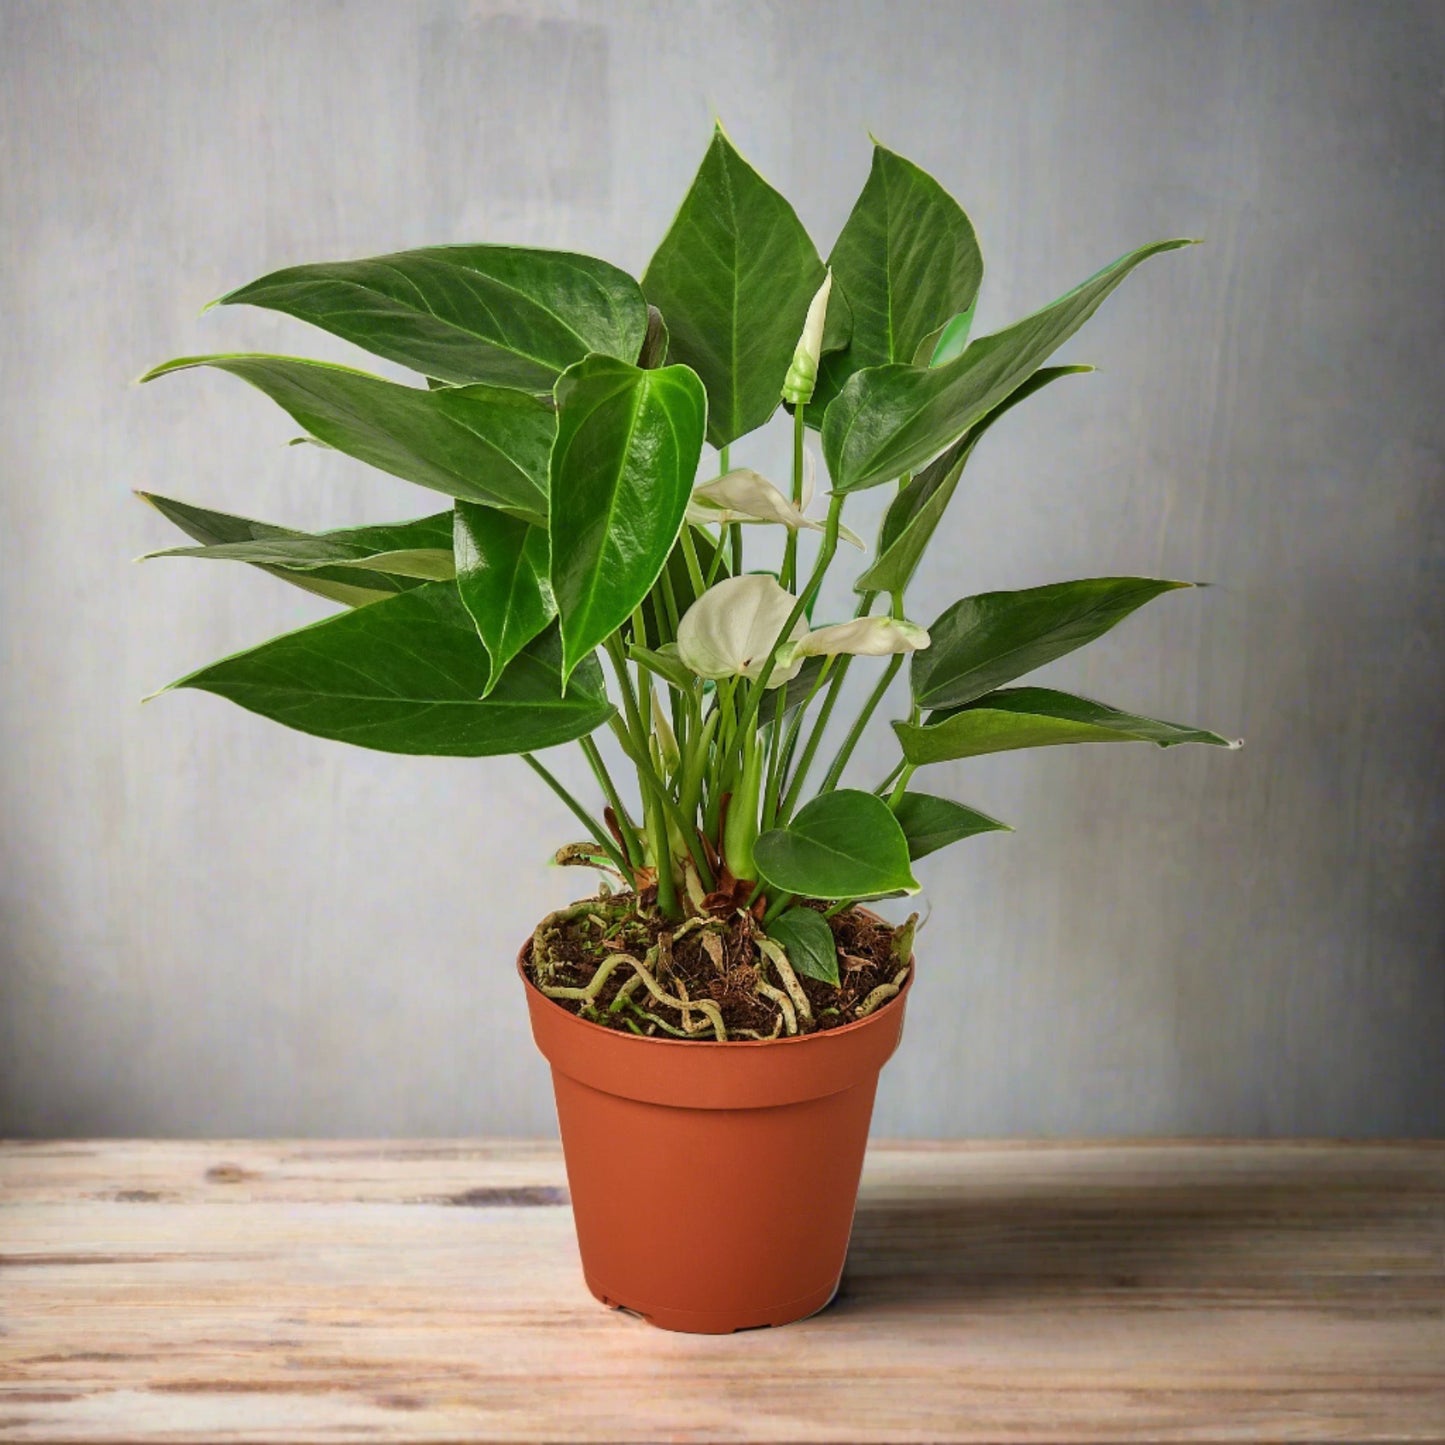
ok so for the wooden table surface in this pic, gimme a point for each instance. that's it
(430, 1291)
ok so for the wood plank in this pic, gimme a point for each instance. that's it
(246, 1291)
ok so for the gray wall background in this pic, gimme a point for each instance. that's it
(214, 926)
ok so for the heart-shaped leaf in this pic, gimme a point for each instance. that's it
(369, 563)
(890, 419)
(1036, 717)
(628, 443)
(931, 823)
(914, 514)
(982, 642)
(844, 844)
(908, 261)
(502, 576)
(480, 443)
(808, 941)
(734, 276)
(406, 676)
(500, 314)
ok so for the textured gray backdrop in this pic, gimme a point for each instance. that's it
(214, 926)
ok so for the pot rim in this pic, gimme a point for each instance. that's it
(731, 1045)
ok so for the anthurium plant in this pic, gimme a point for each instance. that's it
(589, 576)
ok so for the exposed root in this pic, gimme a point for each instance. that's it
(588, 993)
(758, 1034)
(881, 994)
(786, 1013)
(779, 959)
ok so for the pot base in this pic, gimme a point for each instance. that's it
(720, 1322)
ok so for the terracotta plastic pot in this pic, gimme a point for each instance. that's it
(713, 1184)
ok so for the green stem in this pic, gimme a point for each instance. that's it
(599, 833)
(820, 724)
(840, 762)
(777, 905)
(655, 789)
(631, 841)
(820, 567)
(790, 547)
(694, 567)
(887, 782)
(896, 796)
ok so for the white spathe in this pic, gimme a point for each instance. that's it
(731, 628)
(862, 637)
(743, 495)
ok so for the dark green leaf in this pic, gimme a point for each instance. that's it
(844, 844)
(499, 314)
(1036, 717)
(481, 443)
(734, 276)
(808, 941)
(916, 511)
(907, 260)
(406, 676)
(225, 536)
(502, 576)
(890, 419)
(931, 823)
(982, 642)
(628, 443)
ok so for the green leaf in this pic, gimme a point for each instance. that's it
(480, 443)
(500, 314)
(502, 576)
(908, 260)
(406, 676)
(808, 941)
(664, 664)
(380, 560)
(982, 642)
(1036, 717)
(946, 344)
(734, 276)
(931, 823)
(914, 514)
(844, 844)
(890, 419)
(628, 443)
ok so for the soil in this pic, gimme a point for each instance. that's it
(720, 962)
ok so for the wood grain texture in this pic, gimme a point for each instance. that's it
(431, 1291)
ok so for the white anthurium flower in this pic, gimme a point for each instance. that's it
(862, 637)
(747, 496)
(730, 629)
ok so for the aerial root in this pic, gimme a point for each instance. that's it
(588, 993)
(786, 1015)
(779, 960)
(881, 994)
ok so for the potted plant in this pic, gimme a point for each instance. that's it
(717, 1013)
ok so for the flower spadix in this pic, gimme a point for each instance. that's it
(730, 630)
(862, 637)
